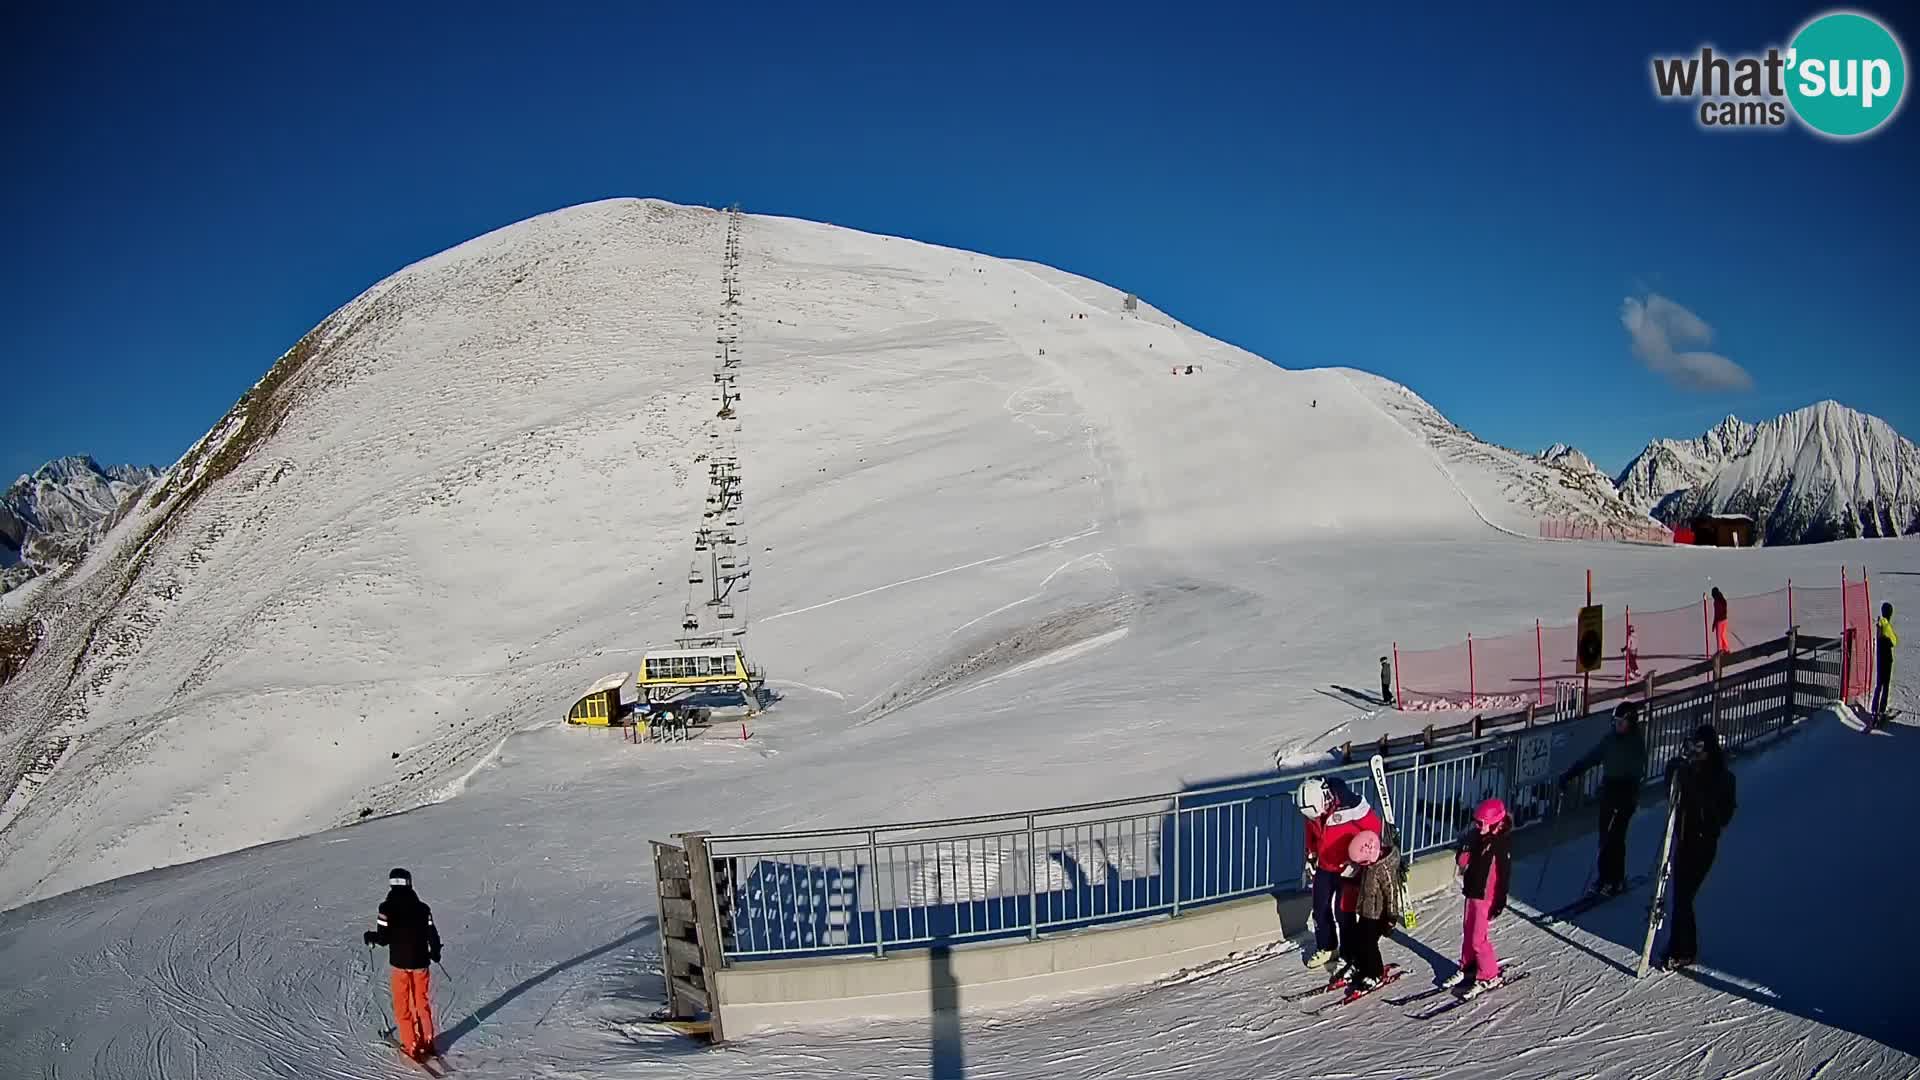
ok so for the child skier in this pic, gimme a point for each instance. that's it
(405, 926)
(1371, 898)
(1386, 682)
(1487, 862)
(1334, 813)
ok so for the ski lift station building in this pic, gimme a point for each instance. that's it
(669, 673)
(600, 706)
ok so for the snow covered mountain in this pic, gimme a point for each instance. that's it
(1566, 457)
(474, 487)
(1824, 472)
(1670, 465)
(49, 516)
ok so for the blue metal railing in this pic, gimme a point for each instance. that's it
(875, 889)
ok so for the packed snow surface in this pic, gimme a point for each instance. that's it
(1008, 558)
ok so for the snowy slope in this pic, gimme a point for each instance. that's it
(49, 516)
(1510, 491)
(250, 965)
(1819, 473)
(471, 491)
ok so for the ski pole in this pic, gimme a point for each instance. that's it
(452, 990)
(373, 973)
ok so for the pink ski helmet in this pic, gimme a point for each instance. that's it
(1364, 848)
(1491, 814)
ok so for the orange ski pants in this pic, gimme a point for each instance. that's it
(412, 1009)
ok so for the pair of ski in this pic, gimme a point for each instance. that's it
(1577, 908)
(1342, 982)
(433, 1064)
(1464, 994)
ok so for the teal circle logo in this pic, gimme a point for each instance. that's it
(1846, 74)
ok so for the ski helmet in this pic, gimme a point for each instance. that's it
(399, 876)
(1491, 814)
(1364, 849)
(1311, 797)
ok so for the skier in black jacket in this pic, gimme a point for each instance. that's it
(1707, 803)
(405, 926)
(1623, 756)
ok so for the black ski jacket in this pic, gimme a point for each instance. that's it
(1707, 798)
(405, 927)
(1486, 853)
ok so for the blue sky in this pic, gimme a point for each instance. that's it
(1459, 203)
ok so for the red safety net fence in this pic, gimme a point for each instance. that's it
(1512, 671)
(1565, 529)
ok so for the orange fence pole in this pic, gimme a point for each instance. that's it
(1399, 698)
(1540, 657)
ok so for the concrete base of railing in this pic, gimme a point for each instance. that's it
(917, 983)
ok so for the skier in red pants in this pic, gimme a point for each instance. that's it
(405, 926)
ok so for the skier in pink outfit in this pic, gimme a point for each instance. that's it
(1486, 863)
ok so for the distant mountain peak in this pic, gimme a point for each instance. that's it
(50, 516)
(1821, 472)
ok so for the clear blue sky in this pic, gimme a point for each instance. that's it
(1460, 202)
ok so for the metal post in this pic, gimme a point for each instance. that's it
(1793, 672)
(1540, 658)
(1176, 853)
(879, 925)
(1033, 884)
(1846, 640)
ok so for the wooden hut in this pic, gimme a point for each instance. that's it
(1723, 530)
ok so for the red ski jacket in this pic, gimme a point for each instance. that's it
(1327, 838)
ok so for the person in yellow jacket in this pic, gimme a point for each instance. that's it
(1885, 641)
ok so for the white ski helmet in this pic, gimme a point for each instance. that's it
(1311, 798)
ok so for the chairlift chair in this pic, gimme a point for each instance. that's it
(726, 611)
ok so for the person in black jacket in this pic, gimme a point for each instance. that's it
(1623, 757)
(405, 926)
(1707, 803)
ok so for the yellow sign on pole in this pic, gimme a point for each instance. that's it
(1591, 648)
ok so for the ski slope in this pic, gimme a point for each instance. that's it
(472, 490)
(989, 577)
(249, 965)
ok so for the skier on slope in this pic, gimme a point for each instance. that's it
(1885, 641)
(1632, 652)
(1720, 627)
(1370, 901)
(1707, 803)
(1487, 863)
(405, 926)
(1334, 813)
(1386, 682)
(1622, 756)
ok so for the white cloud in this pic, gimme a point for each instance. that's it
(1658, 327)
